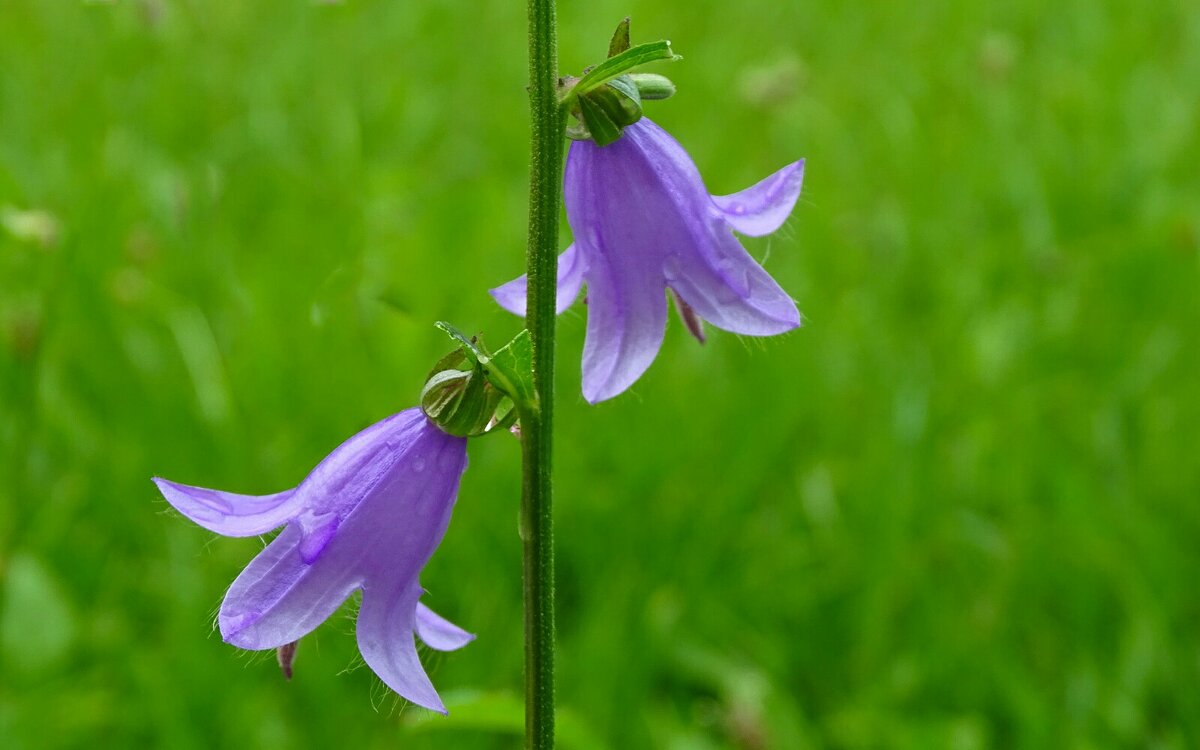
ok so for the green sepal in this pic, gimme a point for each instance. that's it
(621, 98)
(620, 38)
(598, 122)
(610, 108)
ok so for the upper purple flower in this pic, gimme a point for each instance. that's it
(368, 517)
(644, 222)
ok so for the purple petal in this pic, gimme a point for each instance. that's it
(397, 534)
(726, 287)
(329, 492)
(660, 212)
(393, 533)
(385, 638)
(352, 472)
(405, 476)
(279, 598)
(227, 513)
(622, 202)
(762, 208)
(439, 633)
(512, 296)
(627, 318)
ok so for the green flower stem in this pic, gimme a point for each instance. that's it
(547, 125)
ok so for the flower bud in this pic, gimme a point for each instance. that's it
(471, 392)
(652, 86)
(461, 402)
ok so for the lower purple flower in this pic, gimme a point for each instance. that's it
(643, 223)
(368, 517)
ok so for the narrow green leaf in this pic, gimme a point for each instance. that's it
(622, 63)
(470, 348)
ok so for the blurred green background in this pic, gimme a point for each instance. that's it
(958, 509)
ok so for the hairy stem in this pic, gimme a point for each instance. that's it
(537, 428)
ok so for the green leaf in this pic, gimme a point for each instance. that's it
(515, 362)
(620, 38)
(620, 64)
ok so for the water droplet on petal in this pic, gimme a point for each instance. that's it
(672, 269)
(735, 274)
(231, 624)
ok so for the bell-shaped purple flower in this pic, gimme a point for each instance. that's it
(644, 222)
(369, 517)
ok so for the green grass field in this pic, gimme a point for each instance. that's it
(960, 508)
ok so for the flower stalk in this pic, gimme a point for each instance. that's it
(547, 124)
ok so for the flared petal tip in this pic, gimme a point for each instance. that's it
(168, 488)
(449, 641)
(594, 396)
(511, 296)
(205, 507)
(606, 377)
(782, 321)
(228, 513)
(233, 627)
(439, 633)
(596, 392)
(762, 208)
(439, 708)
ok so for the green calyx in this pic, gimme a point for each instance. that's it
(608, 97)
(472, 392)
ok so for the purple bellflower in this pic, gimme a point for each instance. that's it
(368, 517)
(643, 223)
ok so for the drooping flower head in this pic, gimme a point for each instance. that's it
(368, 517)
(644, 223)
